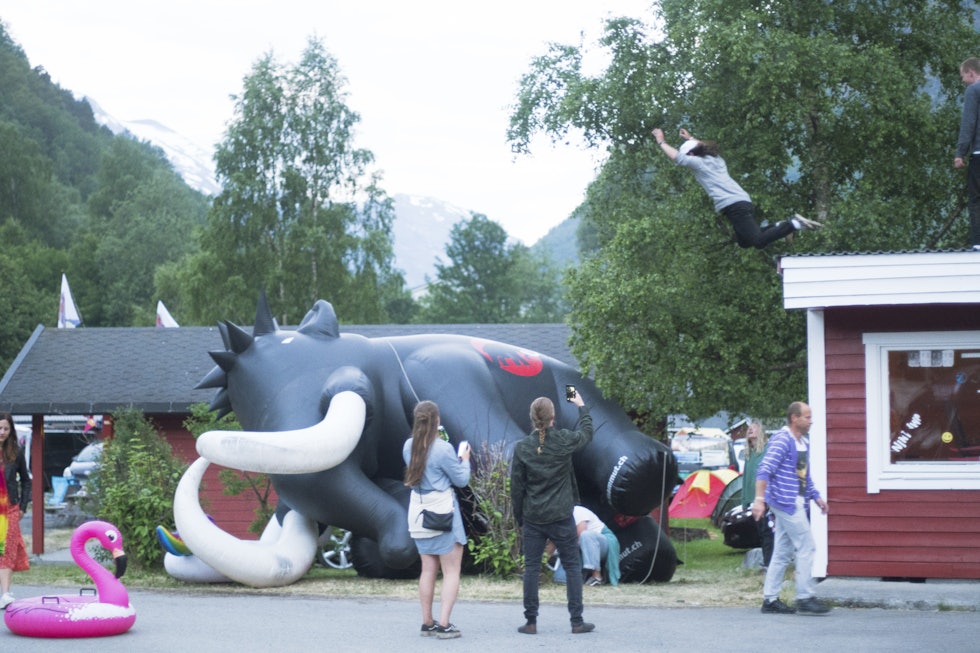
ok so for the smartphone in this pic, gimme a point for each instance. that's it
(569, 392)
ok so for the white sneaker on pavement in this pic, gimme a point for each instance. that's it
(6, 600)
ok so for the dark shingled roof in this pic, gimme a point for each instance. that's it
(97, 370)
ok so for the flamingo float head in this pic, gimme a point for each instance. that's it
(107, 535)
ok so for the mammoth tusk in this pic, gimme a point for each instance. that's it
(278, 559)
(312, 449)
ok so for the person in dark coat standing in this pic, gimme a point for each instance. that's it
(968, 144)
(544, 492)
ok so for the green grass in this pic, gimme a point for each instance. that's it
(711, 575)
(704, 554)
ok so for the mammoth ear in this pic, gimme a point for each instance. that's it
(320, 321)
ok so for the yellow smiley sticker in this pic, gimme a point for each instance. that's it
(947, 437)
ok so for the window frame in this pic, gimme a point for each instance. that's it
(882, 474)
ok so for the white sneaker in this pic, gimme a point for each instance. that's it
(805, 223)
(6, 600)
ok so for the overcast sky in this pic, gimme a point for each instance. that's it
(433, 80)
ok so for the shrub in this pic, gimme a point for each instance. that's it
(135, 484)
(497, 547)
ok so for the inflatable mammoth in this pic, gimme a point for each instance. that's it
(326, 415)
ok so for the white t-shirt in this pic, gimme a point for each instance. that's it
(592, 521)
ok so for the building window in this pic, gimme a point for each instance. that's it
(923, 394)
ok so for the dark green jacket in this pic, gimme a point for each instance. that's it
(542, 485)
(752, 460)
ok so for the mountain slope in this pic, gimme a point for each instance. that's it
(421, 232)
(191, 161)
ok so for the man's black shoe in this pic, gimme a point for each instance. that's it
(777, 607)
(812, 606)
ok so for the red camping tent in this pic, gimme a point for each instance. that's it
(699, 493)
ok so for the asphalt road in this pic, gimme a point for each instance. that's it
(169, 621)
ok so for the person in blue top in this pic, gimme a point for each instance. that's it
(968, 143)
(433, 468)
(702, 158)
(783, 481)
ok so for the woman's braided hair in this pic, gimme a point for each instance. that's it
(542, 416)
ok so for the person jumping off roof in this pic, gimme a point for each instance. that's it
(730, 199)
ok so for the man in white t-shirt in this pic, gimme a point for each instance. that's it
(591, 542)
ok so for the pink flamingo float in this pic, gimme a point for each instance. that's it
(107, 612)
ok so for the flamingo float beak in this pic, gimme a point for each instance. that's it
(119, 558)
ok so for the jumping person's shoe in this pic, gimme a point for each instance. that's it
(799, 222)
(584, 627)
(528, 629)
(812, 606)
(777, 607)
(429, 631)
(447, 632)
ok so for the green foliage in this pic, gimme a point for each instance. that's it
(491, 281)
(498, 549)
(75, 199)
(140, 219)
(235, 482)
(135, 484)
(299, 215)
(34, 301)
(844, 112)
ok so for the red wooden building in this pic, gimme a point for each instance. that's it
(894, 384)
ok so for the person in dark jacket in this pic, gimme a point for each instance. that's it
(18, 482)
(968, 144)
(543, 493)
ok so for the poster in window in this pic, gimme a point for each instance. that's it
(934, 401)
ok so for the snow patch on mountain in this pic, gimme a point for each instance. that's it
(421, 231)
(191, 161)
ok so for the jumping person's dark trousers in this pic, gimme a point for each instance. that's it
(747, 231)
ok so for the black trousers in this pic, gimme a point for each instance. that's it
(973, 197)
(747, 231)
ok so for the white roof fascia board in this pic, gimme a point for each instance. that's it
(881, 279)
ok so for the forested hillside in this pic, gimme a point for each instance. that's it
(75, 199)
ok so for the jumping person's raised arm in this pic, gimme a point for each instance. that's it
(666, 147)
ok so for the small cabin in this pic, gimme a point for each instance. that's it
(893, 350)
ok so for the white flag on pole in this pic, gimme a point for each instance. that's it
(164, 319)
(68, 317)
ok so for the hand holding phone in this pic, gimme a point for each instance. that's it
(464, 450)
(569, 392)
